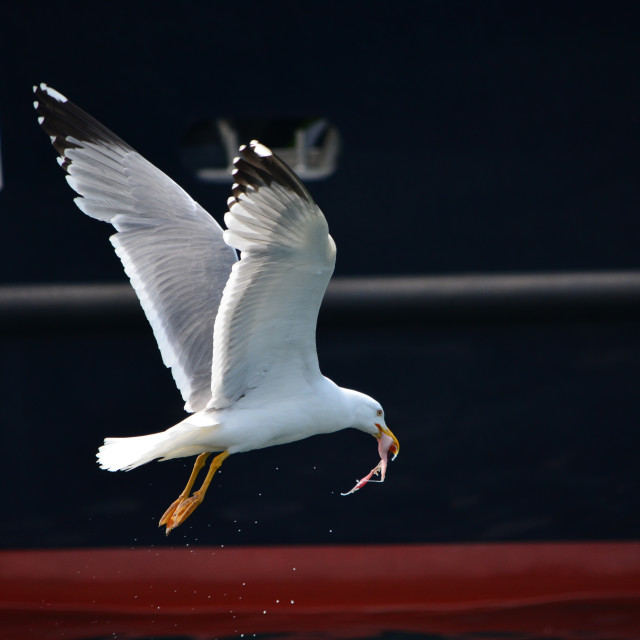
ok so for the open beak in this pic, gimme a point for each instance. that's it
(394, 448)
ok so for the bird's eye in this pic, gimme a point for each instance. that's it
(379, 412)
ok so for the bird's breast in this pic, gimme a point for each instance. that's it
(243, 427)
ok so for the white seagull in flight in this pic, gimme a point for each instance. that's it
(239, 335)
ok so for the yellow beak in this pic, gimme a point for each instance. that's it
(395, 447)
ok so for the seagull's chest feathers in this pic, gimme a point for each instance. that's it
(261, 419)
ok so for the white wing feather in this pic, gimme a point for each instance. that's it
(171, 248)
(266, 323)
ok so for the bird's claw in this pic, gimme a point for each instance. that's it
(179, 511)
(169, 512)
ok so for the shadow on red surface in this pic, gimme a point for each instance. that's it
(553, 590)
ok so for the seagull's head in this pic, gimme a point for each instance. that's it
(368, 416)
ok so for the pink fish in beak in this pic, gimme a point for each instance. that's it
(386, 442)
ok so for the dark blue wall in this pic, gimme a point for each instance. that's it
(477, 136)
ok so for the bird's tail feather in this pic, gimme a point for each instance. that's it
(124, 454)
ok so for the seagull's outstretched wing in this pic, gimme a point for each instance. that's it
(171, 248)
(265, 328)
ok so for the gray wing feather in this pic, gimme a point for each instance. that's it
(172, 250)
(265, 329)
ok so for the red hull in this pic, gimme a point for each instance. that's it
(561, 590)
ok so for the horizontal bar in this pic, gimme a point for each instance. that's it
(610, 296)
(493, 296)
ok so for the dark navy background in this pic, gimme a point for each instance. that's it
(477, 137)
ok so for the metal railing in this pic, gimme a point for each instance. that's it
(579, 296)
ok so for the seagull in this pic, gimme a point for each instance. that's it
(237, 334)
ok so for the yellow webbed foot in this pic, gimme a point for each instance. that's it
(169, 512)
(185, 505)
(177, 514)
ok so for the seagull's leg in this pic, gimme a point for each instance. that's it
(187, 506)
(200, 460)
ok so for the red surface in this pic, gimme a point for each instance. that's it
(558, 590)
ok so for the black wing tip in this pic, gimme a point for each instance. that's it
(61, 119)
(256, 148)
(49, 104)
(44, 92)
(257, 167)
